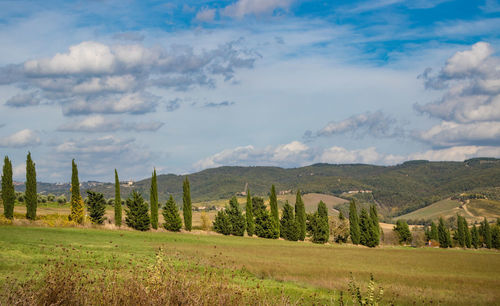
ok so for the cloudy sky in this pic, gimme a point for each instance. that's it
(188, 85)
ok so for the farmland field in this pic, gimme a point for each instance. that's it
(297, 269)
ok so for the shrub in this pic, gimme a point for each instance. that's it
(403, 231)
(222, 225)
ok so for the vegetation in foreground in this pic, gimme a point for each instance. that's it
(285, 271)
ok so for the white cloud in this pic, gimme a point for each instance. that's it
(469, 62)
(205, 15)
(23, 138)
(458, 153)
(243, 8)
(24, 99)
(98, 123)
(452, 134)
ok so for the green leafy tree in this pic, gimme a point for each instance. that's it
(443, 235)
(354, 223)
(236, 218)
(153, 198)
(8, 192)
(289, 228)
(300, 216)
(137, 215)
(96, 205)
(187, 212)
(273, 203)
(265, 227)
(249, 215)
(173, 221)
(475, 237)
(319, 225)
(403, 231)
(77, 206)
(118, 201)
(221, 223)
(375, 238)
(30, 194)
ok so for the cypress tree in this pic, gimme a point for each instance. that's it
(265, 227)
(77, 206)
(375, 224)
(186, 205)
(221, 223)
(289, 228)
(137, 215)
(8, 192)
(153, 198)
(434, 232)
(96, 206)
(475, 237)
(495, 237)
(300, 216)
(118, 201)
(30, 194)
(320, 226)
(273, 203)
(460, 233)
(236, 218)
(487, 233)
(249, 215)
(171, 216)
(354, 222)
(443, 235)
(366, 229)
(468, 237)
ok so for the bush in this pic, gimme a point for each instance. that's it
(403, 231)
(222, 225)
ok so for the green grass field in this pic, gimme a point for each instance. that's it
(296, 269)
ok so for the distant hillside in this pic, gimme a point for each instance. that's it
(397, 189)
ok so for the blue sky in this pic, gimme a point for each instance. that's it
(188, 85)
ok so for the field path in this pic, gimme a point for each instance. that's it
(467, 210)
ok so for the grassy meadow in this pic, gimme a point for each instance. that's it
(300, 271)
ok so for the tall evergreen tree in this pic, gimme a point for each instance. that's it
(222, 225)
(77, 206)
(367, 230)
(495, 236)
(487, 233)
(300, 216)
(468, 236)
(289, 228)
(8, 192)
(96, 206)
(434, 232)
(186, 205)
(236, 218)
(354, 223)
(443, 234)
(171, 216)
(153, 199)
(265, 227)
(137, 215)
(249, 215)
(460, 233)
(375, 224)
(475, 237)
(273, 203)
(118, 201)
(30, 193)
(320, 226)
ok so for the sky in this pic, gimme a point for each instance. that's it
(183, 86)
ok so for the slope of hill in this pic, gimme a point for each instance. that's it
(397, 189)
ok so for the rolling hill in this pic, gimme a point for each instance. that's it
(397, 190)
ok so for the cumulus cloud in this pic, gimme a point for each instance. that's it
(376, 124)
(205, 15)
(470, 106)
(242, 8)
(219, 104)
(24, 99)
(100, 123)
(92, 77)
(22, 138)
(458, 153)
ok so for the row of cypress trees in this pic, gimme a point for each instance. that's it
(364, 228)
(485, 236)
(8, 192)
